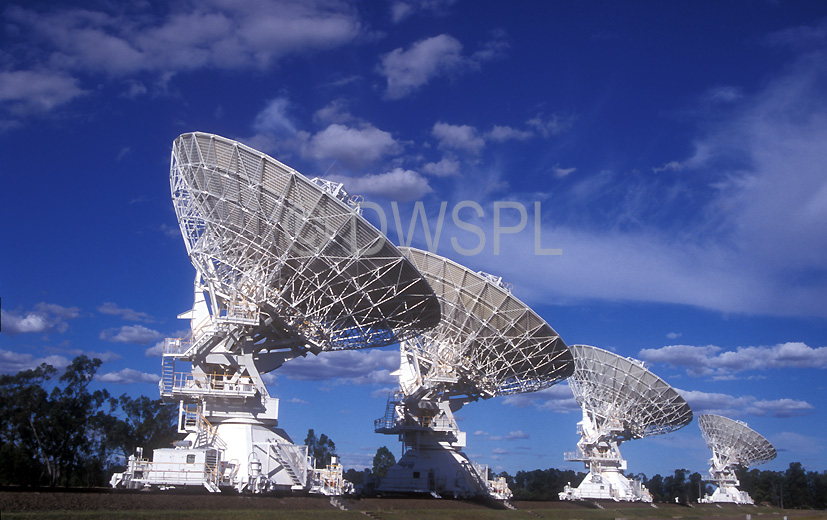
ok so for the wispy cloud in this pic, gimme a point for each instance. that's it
(353, 367)
(550, 125)
(506, 133)
(408, 70)
(275, 119)
(557, 398)
(403, 9)
(132, 42)
(113, 309)
(562, 172)
(736, 228)
(515, 435)
(25, 92)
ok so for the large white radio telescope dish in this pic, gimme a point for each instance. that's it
(259, 230)
(493, 341)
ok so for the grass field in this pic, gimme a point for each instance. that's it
(86, 505)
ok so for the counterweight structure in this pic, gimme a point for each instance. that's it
(285, 267)
(487, 344)
(621, 400)
(733, 445)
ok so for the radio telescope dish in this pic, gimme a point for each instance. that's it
(285, 266)
(258, 229)
(495, 343)
(733, 445)
(488, 343)
(621, 400)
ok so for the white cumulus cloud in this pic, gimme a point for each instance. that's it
(446, 167)
(712, 360)
(356, 147)
(13, 362)
(131, 334)
(397, 184)
(458, 137)
(45, 318)
(127, 376)
(728, 405)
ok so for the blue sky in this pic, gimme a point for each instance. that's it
(674, 152)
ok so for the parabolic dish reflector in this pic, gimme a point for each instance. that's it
(735, 441)
(258, 230)
(616, 388)
(496, 342)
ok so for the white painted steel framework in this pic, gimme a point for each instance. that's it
(285, 266)
(733, 445)
(621, 400)
(487, 344)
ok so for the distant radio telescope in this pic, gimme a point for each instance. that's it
(733, 445)
(285, 266)
(621, 400)
(488, 343)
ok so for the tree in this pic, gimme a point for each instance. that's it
(796, 489)
(322, 449)
(61, 433)
(356, 477)
(656, 486)
(676, 486)
(696, 487)
(542, 484)
(382, 461)
(23, 401)
(147, 423)
(71, 433)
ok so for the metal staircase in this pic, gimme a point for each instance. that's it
(479, 474)
(212, 474)
(167, 376)
(191, 420)
(387, 423)
(281, 453)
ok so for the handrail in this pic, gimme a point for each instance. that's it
(215, 382)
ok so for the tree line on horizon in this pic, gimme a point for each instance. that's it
(794, 488)
(55, 432)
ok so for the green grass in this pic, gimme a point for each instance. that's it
(427, 514)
